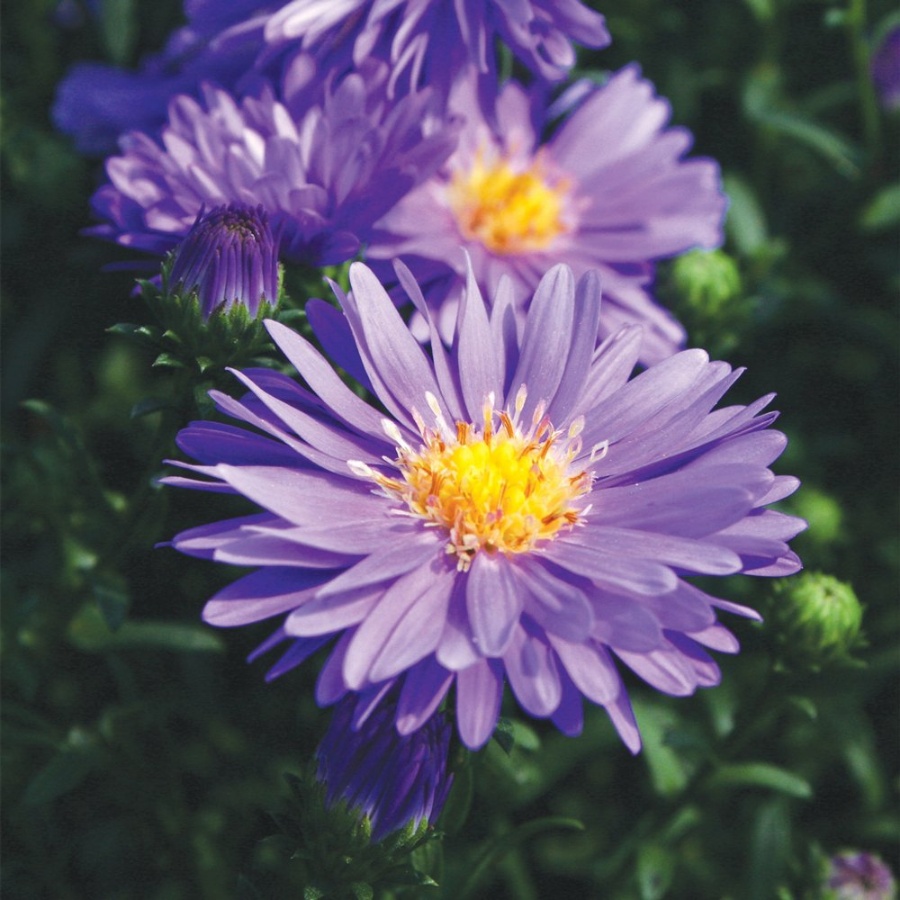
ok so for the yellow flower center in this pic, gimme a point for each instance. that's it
(507, 209)
(501, 491)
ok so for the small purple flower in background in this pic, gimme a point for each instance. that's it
(229, 258)
(323, 175)
(859, 876)
(609, 191)
(391, 779)
(97, 102)
(522, 511)
(886, 69)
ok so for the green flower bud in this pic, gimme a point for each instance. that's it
(706, 280)
(819, 620)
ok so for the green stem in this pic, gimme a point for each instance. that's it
(868, 101)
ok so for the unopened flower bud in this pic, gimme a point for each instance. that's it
(229, 258)
(391, 779)
(820, 619)
(707, 280)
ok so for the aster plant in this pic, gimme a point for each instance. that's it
(610, 190)
(521, 510)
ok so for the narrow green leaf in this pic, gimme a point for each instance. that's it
(746, 221)
(111, 595)
(149, 405)
(763, 775)
(119, 26)
(66, 771)
(167, 360)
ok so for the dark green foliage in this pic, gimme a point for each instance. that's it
(141, 757)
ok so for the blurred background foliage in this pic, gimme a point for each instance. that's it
(143, 759)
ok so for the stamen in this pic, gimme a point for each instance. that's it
(500, 491)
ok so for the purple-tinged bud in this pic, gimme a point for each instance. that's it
(230, 258)
(392, 779)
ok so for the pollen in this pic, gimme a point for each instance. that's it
(494, 488)
(508, 207)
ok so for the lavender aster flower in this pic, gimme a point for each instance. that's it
(859, 876)
(392, 779)
(323, 175)
(229, 258)
(610, 191)
(426, 43)
(430, 42)
(520, 511)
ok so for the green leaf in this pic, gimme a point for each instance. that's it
(149, 405)
(746, 221)
(89, 632)
(456, 809)
(111, 595)
(143, 335)
(763, 775)
(66, 771)
(883, 211)
(658, 724)
(504, 735)
(362, 890)
(770, 850)
(168, 361)
(119, 26)
(655, 870)
(500, 846)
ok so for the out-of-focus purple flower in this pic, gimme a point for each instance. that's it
(854, 875)
(390, 778)
(514, 509)
(229, 258)
(609, 191)
(886, 69)
(324, 175)
(97, 102)
(426, 43)
(430, 42)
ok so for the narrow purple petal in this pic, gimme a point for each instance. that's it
(533, 675)
(494, 603)
(478, 692)
(425, 685)
(261, 595)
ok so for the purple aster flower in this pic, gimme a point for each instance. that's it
(390, 778)
(430, 42)
(609, 191)
(426, 42)
(886, 69)
(323, 174)
(859, 876)
(515, 508)
(229, 258)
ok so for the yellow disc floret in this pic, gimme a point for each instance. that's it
(501, 491)
(507, 207)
